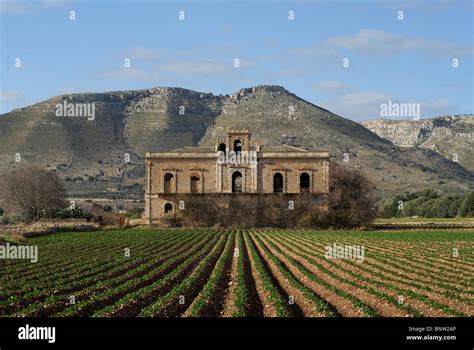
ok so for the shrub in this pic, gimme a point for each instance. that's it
(247, 211)
(172, 220)
(135, 213)
(69, 213)
(4, 220)
(88, 217)
(199, 211)
(11, 219)
(352, 200)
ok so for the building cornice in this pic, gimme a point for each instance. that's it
(191, 155)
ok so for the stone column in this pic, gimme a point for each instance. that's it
(326, 176)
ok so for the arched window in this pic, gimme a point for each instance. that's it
(304, 182)
(195, 184)
(167, 185)
(237, 146)
(222, 147)
(168, 208)
(277, 183)
(237, 182)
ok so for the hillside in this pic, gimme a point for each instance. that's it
(447, 135)
(91, 154)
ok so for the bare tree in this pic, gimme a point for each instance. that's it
(33, 192)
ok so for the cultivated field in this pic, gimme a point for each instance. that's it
(242, 273)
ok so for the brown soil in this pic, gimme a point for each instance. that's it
(425, 308)
(269, 310)
(229, 306)
(454, 304)
(306, 305)
(344, 307)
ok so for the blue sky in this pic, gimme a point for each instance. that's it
(405, 61)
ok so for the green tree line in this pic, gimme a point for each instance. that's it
(431, 204)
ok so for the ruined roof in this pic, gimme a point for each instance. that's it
(283, 149)
(194, 150)
(265, 148)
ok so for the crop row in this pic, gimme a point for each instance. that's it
(275, 273)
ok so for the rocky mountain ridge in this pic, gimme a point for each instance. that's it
(451, 136)
(106, 154)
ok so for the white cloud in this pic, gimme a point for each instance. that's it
(68, 89)
(196, 67)
(364, 99)
(440, 103)
(377, 42)
(289, 72)
(316, 51)
(185, 68)
(24, 6)
(437, 107)
(350, 101)
(140, 53)
(128, 74)
(204, 67)
(8, 96)
(320, 53)
(357, 104)
(332, 87)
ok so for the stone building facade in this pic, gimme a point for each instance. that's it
(236, 165)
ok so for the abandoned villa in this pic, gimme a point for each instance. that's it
(236, 165)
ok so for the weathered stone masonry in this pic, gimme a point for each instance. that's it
(198, 170)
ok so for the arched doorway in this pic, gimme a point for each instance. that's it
(277, 183)
(168, 208)
(195, 184)
(167, 185)
(304, 183)
(237, 182)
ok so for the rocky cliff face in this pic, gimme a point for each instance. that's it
(450, 136)
(106, 154)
